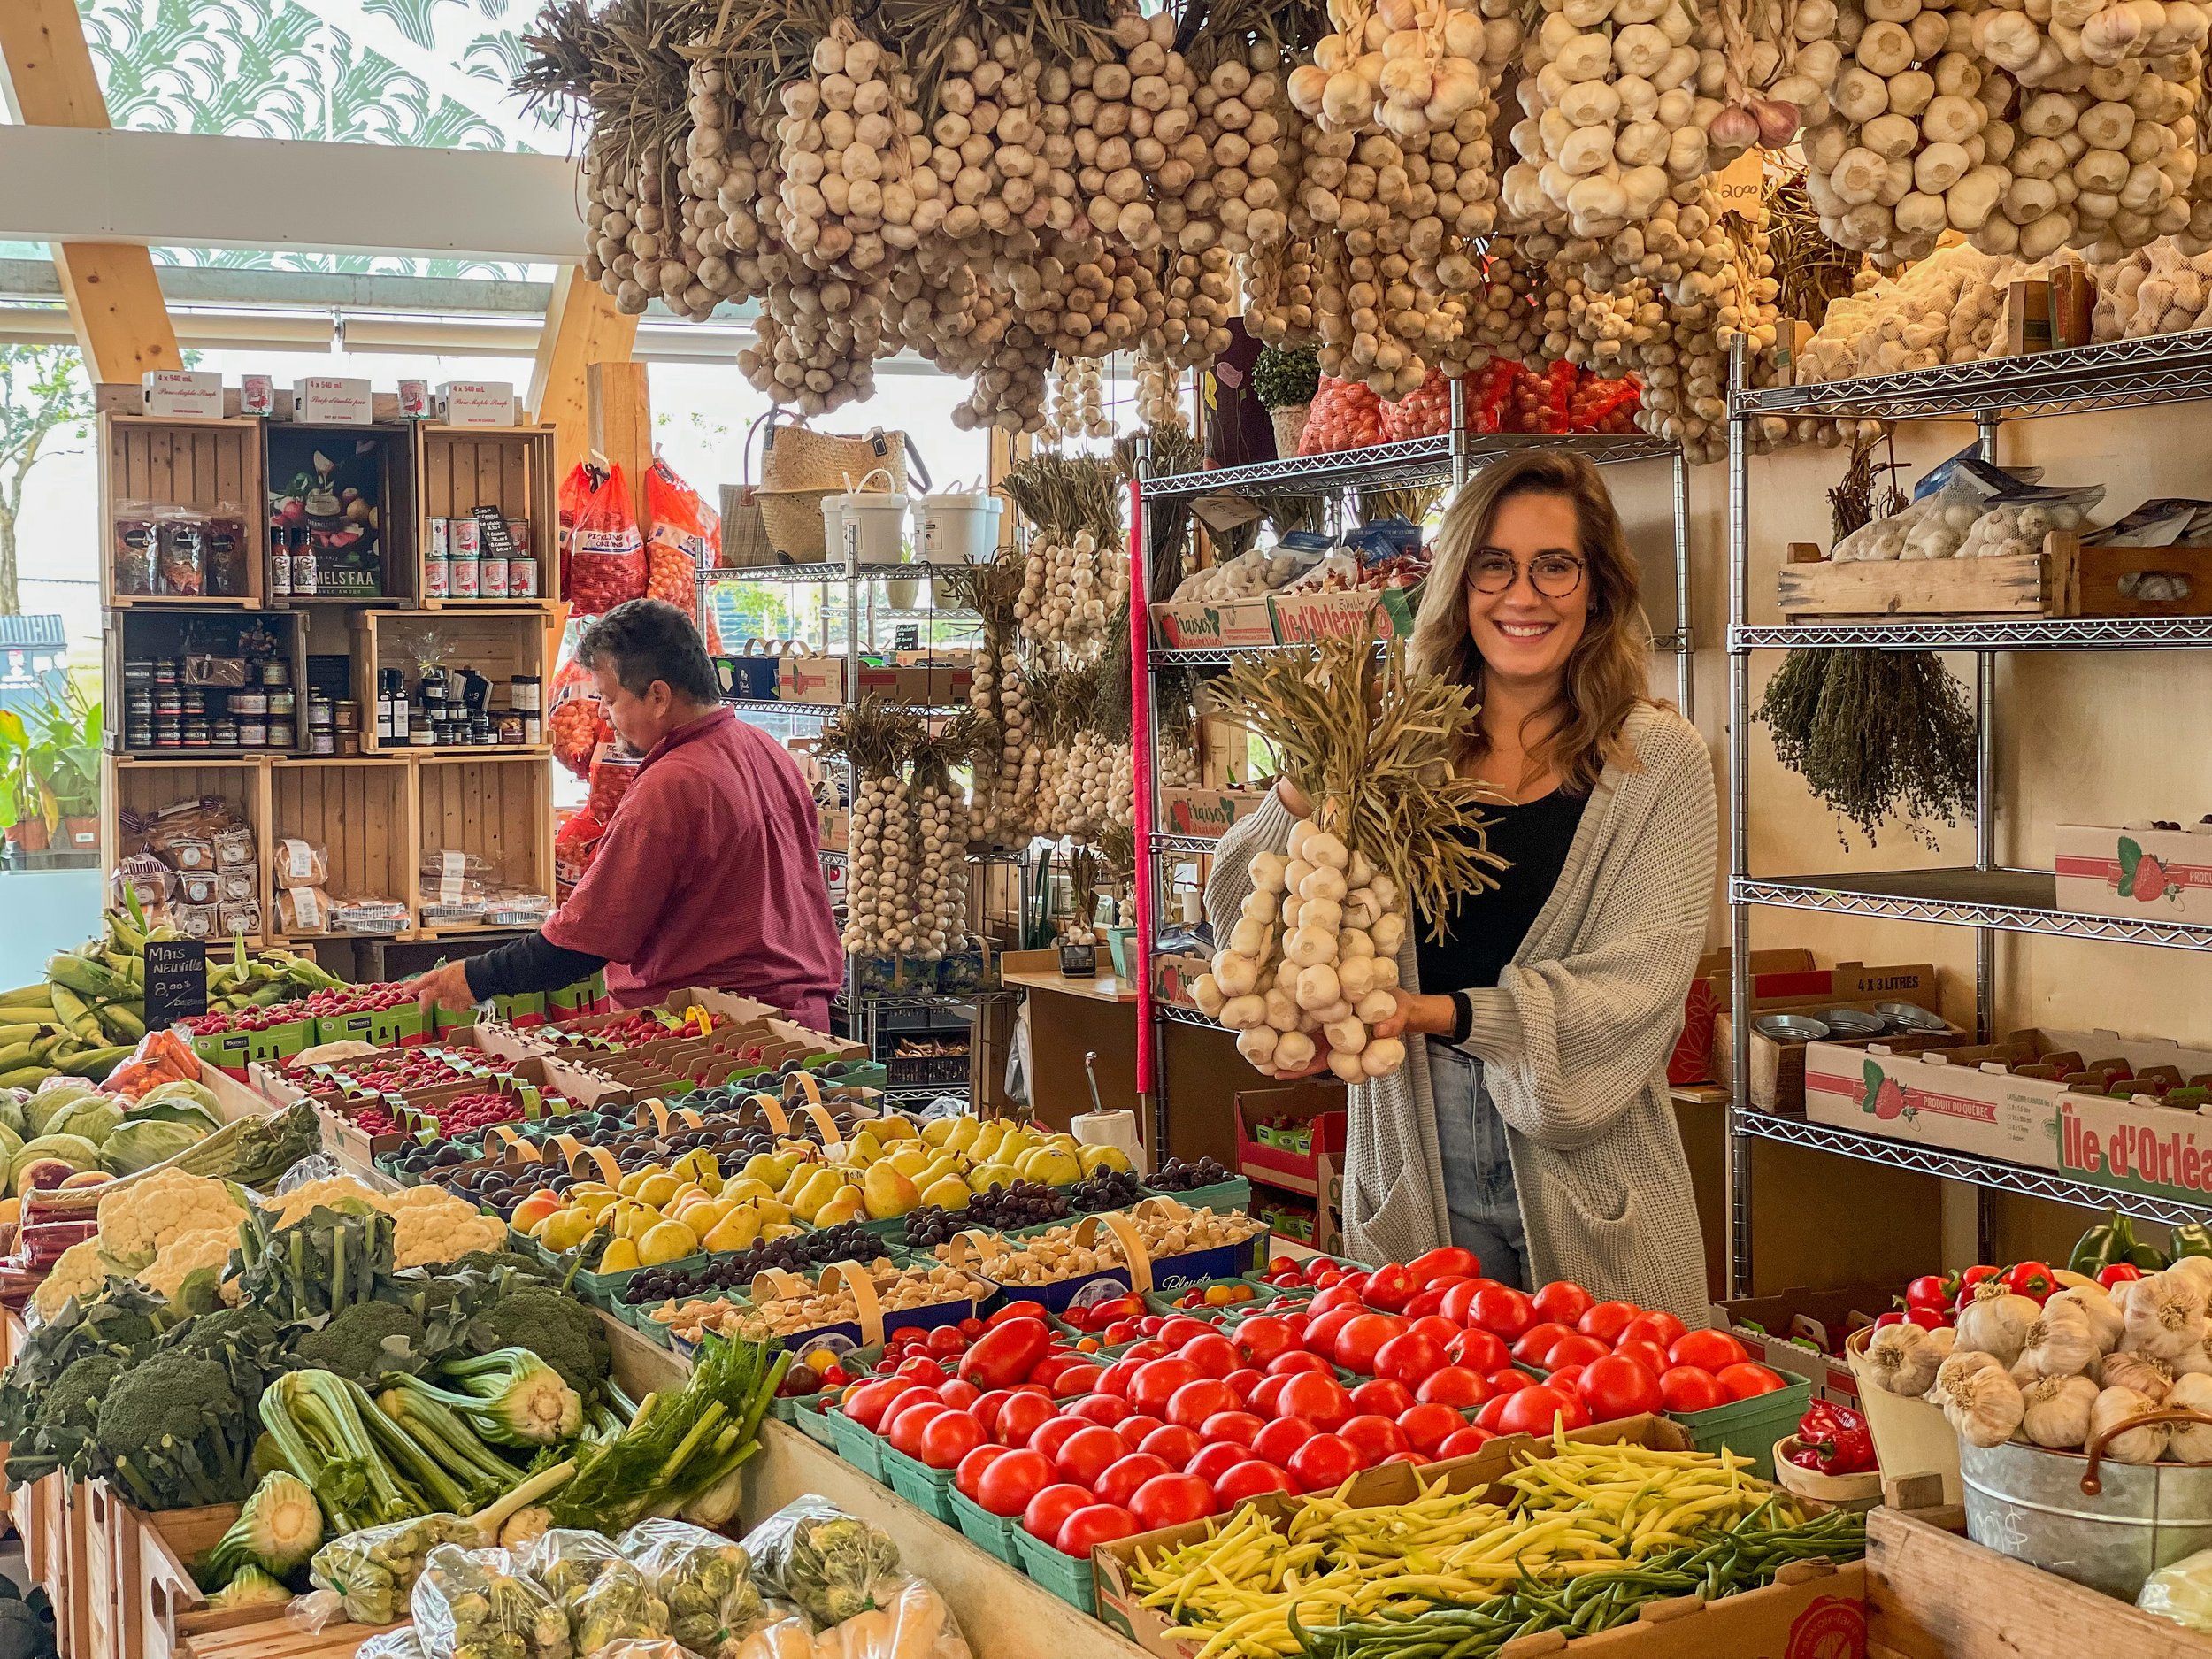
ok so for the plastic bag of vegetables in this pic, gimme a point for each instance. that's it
(479, 1604)
(706, 1580)
(912, 1623)
(606, 1597)
(833, 1565)
(370, 1573)
(2181, 1591)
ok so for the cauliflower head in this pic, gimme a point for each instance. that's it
(78, 1270)
(186, 1254)
(430, 1234)
(300, 1202)
(139, 1220)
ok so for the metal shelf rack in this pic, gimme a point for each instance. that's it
(1450, 458)
(1989, 898)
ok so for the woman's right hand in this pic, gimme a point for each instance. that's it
(1298, 803)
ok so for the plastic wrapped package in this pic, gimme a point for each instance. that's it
(706, 1581)
(909, 1621)
(647, 1647)
(393, 1644)
(297, 864)
(2181, 1591)
(831, 1565)
(2016, 522)
(372, 1571)
(480, 1604)
(606, 1597)
(303, 910)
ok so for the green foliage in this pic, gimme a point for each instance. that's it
(66, 1418)
(321, 1265)
(364, 1341)
(123, 1322)
(1282, 378)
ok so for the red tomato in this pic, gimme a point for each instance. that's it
(1121, 1477)
(921, 1370)
(1296, 1361)
(1382, 1396)
(1180, 1328)
(1502, 1309)
(1321, 1400)
(1010, 1482)
(1151, 1348)
(1691, 1388)
(1321, 1335)
(1617, 1387)
(1534, 1410)
(1024, 1310)
(1535, 1344)
(1150, 1389)
(1562, 1300)
(1213, 1461)
(1565, 1378)
(1262, 1339)
(1464, 1442)
(1709, 1350)
(1054, 1433)
(1508, 1381)
(1101, 1408)
(1437, 1328)
(1236, 1427)
(1133, 1429)
(1022, 1415)
(1172, 1440)
(1048, 1509)
(1459, 1298)
(1427, 1427)
(1425, 1302)
(1121, 1331)
(1454, 1385)
(1650, 1356)
(1215, 1354)
(1414, 1458)
(1194, 1402)
(1115, 1379)
(1282, 1437)
(969, 1476)
(1606, 1320)
(905, 1434)
(1363, 1338)
(1409, 1358)
(986, 1410)
(1335, 1297)
(1574, 1348)
(1085, 1455)
(1448, 1260)
(1375, 1439)
(1095, 1524)
(1323, 1463)
(1242, 1381)
(1262, 1398)
(948, 1439)
(1390, 1287)
(1746, 1380)
(1657, 1326)
(1493, 1413)
(959, 1395)
(1072, 1381)
(1248, 1479)
(1477, 1351)
(865, 1402)
(1171, 1501)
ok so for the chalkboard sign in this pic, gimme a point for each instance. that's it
(176, 981)
(1078, 962)
(491, 533)
(908, 637)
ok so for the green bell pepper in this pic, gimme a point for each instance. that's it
(2193, 1239)
(2111, 1240)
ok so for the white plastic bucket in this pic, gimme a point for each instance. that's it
(958, 527)
(871, 527)
(832, 528)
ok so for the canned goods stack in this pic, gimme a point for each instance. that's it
(459, 564)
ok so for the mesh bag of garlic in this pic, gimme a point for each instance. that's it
(1308, 969)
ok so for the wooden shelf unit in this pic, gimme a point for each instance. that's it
(497, 806)
(463, 468)
(202, 465)
(144, 787)
(497, 644)
(157, 628)
(289, 451)
(361, 812)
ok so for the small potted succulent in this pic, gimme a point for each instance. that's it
(1284, 380)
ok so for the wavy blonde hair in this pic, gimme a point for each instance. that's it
(1607, 672)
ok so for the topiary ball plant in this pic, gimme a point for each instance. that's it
(1283, 378)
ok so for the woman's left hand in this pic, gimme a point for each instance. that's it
(1417, 1015)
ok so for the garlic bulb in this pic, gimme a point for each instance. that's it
(2153, 1378)
(1902, 1359)
(2105, 1322)
(2144, 1445)
(1983, 1403)
(2190, 1443)
(1996, 1322)
(2164, 1316)
(2056, 1411)
(2060, 1342)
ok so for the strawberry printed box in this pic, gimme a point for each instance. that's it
(2142, 872)
(2130, 1113)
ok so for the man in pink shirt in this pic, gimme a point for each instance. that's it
(707, 875)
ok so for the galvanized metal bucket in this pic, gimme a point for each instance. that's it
(2104, 1524)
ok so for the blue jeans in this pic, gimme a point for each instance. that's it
(1485, 1212)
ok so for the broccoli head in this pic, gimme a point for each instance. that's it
(63, 1424)
(560, 1331)
(512, 1264)
(245, 1341)
(366, 1341)
(175, 1432)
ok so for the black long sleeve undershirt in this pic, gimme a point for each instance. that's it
(534, 962)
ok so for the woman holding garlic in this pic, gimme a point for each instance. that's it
(1530, 1121)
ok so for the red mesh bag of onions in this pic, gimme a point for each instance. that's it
(1346, 415)
(574, 845)
(1424, 413)
(575, 720)
(613, 769)
(606, 561)
(685, 535)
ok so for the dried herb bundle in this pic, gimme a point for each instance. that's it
(1852, 505)
(1811, 270)
(1371, 743)
(1067, 492)
(877, 735)
(1409, 502)
(1874, 733)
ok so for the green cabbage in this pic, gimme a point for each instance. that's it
(75, 1150)
(145, 1142)
(175, 1109)
(92, 1116)
(41, 1108)
(182, 1090)
(11, 1143)
(11, 1110)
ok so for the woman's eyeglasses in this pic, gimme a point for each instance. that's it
(1554, 575)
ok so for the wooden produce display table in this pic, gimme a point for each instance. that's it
(278, 1640)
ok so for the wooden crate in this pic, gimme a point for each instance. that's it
(160, 1605)
(199, 463)
(71, 1567)
(496, 644)
(145, 787)
(360, 811)
(1934, 1595)
(290, 448)
(145, 631)
(501, 809)
(2065, 579)
(279, 1638)
(463, 468)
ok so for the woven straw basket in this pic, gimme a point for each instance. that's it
(1290, 425)
(800, 466)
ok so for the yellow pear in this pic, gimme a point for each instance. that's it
(864, 1148)
(1051, 1165)
(620, 1258)
(702, 1215)
(909, 1160)
(814, 1190)
(962, 1136)
(632, 1184)
(889, 1192)
(777, 1230)
(889, 1129)
(984, 1143)
(845, 1207)
(745, 1191)
(1097, 1158)
(948, 1190)
(986, 1176)
(936, 1170)
(657, 1190)
(665, 1241)
(564, 1230)
(763, 1167)
(938, 1131)
(736, 1230)
(772, 1209)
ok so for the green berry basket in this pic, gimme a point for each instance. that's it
(991, 1533)
(1749, 1428)
(928, 1490)
(856, 1446)
(1067, 1577)
(809, 1414)
(1222, 1195)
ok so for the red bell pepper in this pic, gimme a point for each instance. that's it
(2117, 1273)
(1832, 1440)
(2032, 1280)
(1006, 1353)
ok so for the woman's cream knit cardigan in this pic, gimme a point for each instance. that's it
(1574, 1042)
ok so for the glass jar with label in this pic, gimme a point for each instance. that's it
(282, 702)
(280, 734)
(253, 733)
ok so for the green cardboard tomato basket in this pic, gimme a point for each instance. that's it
(1069, 1579)
(994, 1533)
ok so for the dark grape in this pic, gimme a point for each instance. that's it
(1180, 1175)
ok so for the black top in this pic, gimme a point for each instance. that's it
(1488, 928)
(532, 962)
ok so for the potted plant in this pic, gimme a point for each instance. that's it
(1284, 380)
(63, 761)
(20, 810)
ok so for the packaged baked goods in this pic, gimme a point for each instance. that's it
(303, 910)
(234, 848)
(199, 921)
(297, 864)
(240, 918)
(233, 883)
(142, 876)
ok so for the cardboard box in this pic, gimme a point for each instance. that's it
(1318, 1106)
(1195, 624)
(477, 402)
(835, 826)
(182, 393)
(1378, 612)
(2137, 874)
(1172, 977)
(1802, 1331)
(332, 400)
(1823, 1613)
(1777, 1066)
(1691, 1061)
(1967, 1100)
(811, 679)
(1207, 811)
